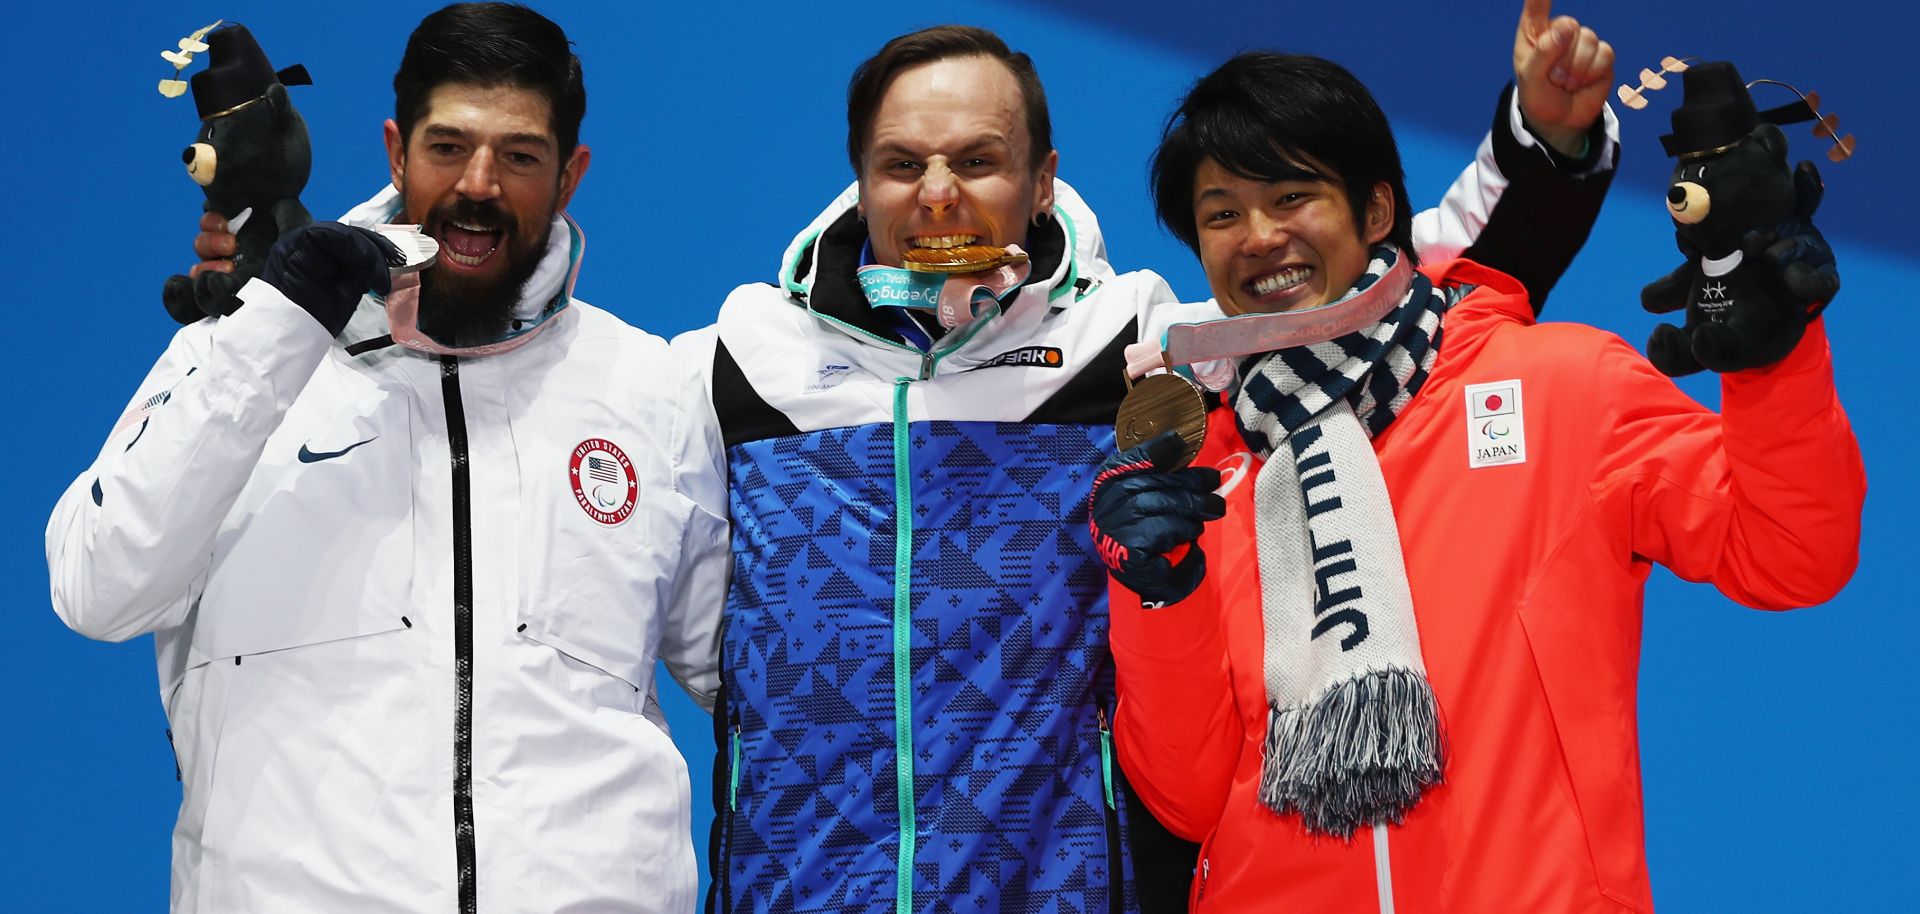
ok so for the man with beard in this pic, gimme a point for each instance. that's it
(917, 687)
(410, 560)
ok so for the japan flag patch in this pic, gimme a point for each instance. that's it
(1496, 425)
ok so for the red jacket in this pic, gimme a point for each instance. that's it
(1527, 587)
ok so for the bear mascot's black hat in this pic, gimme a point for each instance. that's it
(239, 73)
(1717, 111)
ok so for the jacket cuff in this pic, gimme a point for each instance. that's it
(1812, 355)
(1183, 634)
(1601, 155)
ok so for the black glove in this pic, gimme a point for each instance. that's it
(1142, 511)
(324, 267)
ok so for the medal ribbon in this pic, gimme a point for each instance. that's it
(957, 299)
(1209, 349)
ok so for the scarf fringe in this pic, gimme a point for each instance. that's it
(1362, 754)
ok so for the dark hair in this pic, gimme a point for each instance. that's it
(942, 42)
(1265, 117)
(492, 44)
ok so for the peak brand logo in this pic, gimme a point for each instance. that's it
(1031, 356)
(1496, 425)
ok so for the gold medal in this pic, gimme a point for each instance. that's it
(971, 258)
(1160, 402)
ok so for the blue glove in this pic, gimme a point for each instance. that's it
(1143, 510)
(324, 267)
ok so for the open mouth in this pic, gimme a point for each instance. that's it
(1285, 280)
(468, 244)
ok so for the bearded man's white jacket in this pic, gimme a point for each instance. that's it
(378, 579)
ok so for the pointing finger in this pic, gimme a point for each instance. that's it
(1534, 15)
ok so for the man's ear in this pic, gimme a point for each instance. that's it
(571, 173)
(396, 153)
(1043, 183)
(860, 192)
(1379, 214)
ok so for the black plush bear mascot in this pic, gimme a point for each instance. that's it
(252, 157)
(1738, 210)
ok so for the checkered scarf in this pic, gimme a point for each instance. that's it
(1353, 732)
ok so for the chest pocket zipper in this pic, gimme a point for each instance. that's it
(733, 772)
(725, 892)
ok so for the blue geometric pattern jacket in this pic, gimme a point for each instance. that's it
(917, 681)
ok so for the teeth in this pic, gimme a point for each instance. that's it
(468, 260)
(1285, 279)
(471, 228)
(945, 241)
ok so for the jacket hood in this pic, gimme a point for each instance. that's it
(818, 268)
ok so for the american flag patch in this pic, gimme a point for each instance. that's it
(139, 412)
(602, 469)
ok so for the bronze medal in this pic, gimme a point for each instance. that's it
(1160, 402)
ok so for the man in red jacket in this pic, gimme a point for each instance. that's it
(1398, 670)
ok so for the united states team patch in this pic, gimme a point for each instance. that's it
(1496, 425)
(603, 481)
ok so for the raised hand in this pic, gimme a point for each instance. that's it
(1563, 72)
(324, 267)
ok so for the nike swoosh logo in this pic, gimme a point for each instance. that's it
(308, 456)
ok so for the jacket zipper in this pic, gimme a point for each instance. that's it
(462, 636)
(902, 649)
(1116, 881)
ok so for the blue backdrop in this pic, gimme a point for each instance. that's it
(1778, 749)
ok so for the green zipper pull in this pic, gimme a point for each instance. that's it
(1106, 755)
(733, 773)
